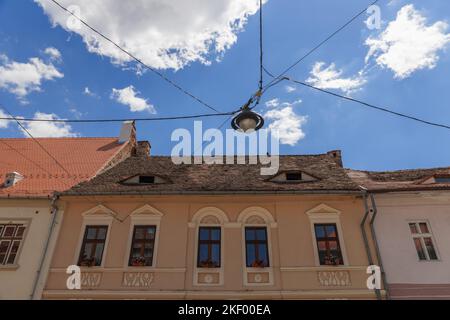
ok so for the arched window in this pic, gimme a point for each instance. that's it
(208, 226)
(257, 249)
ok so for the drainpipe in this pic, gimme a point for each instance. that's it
(364, 234)
(54, 212)
(377, 248)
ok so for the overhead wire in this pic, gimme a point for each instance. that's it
(122, 119)
(320, 44)
(369, 105)
(161, 75)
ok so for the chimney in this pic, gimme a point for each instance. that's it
(143, 149)
(127, 132)
(12, 178)
(337, 156)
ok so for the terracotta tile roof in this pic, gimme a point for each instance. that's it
(82, 157)
(217, 178)
(401, 180)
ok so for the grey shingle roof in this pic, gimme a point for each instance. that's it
(218, 178)
(401, 180)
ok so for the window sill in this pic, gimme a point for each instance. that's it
(9, 267)
(139, 268)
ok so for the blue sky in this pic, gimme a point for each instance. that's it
(369, 139)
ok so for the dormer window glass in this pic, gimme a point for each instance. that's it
(146, 179)
(293, 176)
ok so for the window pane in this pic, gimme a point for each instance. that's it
(419, 249)
(11, 258)
(215, 251)
(204, 233)
(136, 251)
(250, 253)
(430, 248)
(320, 231)
(203, 255)
(1, 230)
(322, 257)
(333, 245)
(413, 228)
(4, 246)
(101, 234)
(262, 254)
(150, 233)
(423, 227)
(250, 234)
(87, 251)
(91, 233)
(139, 233)
(20, 231)
(331, 231)
(261, 234)
(98, 254)
(322, 245)
(9, 231)
(215, 234)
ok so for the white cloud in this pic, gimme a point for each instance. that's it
(22, 78)
(128, 96)
(408, 44)
(162, 33)
(330, 78)
(53, 53)
(273, 103)
(89, 93)
(47, 129)
(290, 89)
(286, 125)
(4, 123)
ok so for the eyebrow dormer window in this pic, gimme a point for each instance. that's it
(293, 177)
(144, 179)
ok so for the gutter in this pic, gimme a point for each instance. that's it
(210, 192)
(364, 234)
(54, 212)
(377, 248)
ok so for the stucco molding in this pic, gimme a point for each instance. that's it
(323, 210)
(251, 214)
(99, 211)
(209, 211)
(147, 211)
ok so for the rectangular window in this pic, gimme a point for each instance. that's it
(328, 245)
(423, 240)
(142, 246)
(208, 247)
(93, 246)
(293, 176)
(256, 248)
(11, 237)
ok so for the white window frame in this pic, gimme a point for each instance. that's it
(198, 220)
(97, 216)
(27, 225)
(146, 215)
(421, 236)
(324, 214)
(265, 220)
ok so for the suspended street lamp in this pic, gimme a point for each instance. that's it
(247, 120)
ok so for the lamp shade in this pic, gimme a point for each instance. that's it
(247, 120)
